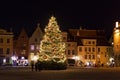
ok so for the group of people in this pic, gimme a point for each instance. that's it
(35, 66)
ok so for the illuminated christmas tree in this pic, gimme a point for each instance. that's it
(52, 48)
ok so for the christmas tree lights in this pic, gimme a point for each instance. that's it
(52, 48)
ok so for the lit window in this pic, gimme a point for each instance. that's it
(37, 47)
(32, 47)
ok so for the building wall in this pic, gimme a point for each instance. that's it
(116, 47)
(71, 53)
(103, 54)
(94, 55)
(87, 52)
(34, 42)
(21, 46)
(93, 48)
(6, 45)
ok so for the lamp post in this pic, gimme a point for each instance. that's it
(116, 46)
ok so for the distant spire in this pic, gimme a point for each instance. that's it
(38, 24)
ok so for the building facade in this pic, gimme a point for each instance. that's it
(116, 45)
(93, 48)
(20, 55)
(6, 46)
(34, 43)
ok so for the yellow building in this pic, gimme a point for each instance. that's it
(6, 46)
(116, 47)
(93, 48)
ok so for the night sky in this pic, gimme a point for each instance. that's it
(90, 14)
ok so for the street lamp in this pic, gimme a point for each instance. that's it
(35, 58)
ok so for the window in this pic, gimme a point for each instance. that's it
(98, 49)
(24, 46)
(80, 49)
(85, 56)
(32, 47)
(116, 46)
(37, 47)
(73, 52)
(105, 55)
(85, 49)
(71, 61)
(93, 42)
(8, 51)
(68, 52)
(93, 57)
(1, 40)
(8, 40)
(89, 42)
(35, 39)
(107, 49)
(89, 56)
(89, 49)
(1, 50)
(68, 45)
(93, 49)
(64, 38)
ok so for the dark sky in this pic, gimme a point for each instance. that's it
(90, 14)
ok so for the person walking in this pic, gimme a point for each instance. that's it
(36, 66)
(32, 65)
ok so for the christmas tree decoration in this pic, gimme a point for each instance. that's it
(52, 48)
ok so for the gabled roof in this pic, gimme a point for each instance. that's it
(37, 31)
(78, 34)
(23, 33)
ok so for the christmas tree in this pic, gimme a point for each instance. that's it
(52, 48)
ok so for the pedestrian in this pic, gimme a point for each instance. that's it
(39, 66)
(36, 66)
(32, 65)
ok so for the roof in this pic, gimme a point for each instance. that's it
(78, 34)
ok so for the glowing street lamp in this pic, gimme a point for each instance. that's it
(76, 58)
(117, 24)
(35, 58)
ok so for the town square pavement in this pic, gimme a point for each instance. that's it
(77, 73)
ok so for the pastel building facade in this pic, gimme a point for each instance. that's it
(116, 44)
(6, 46)
(92, 47)
(34, 43)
